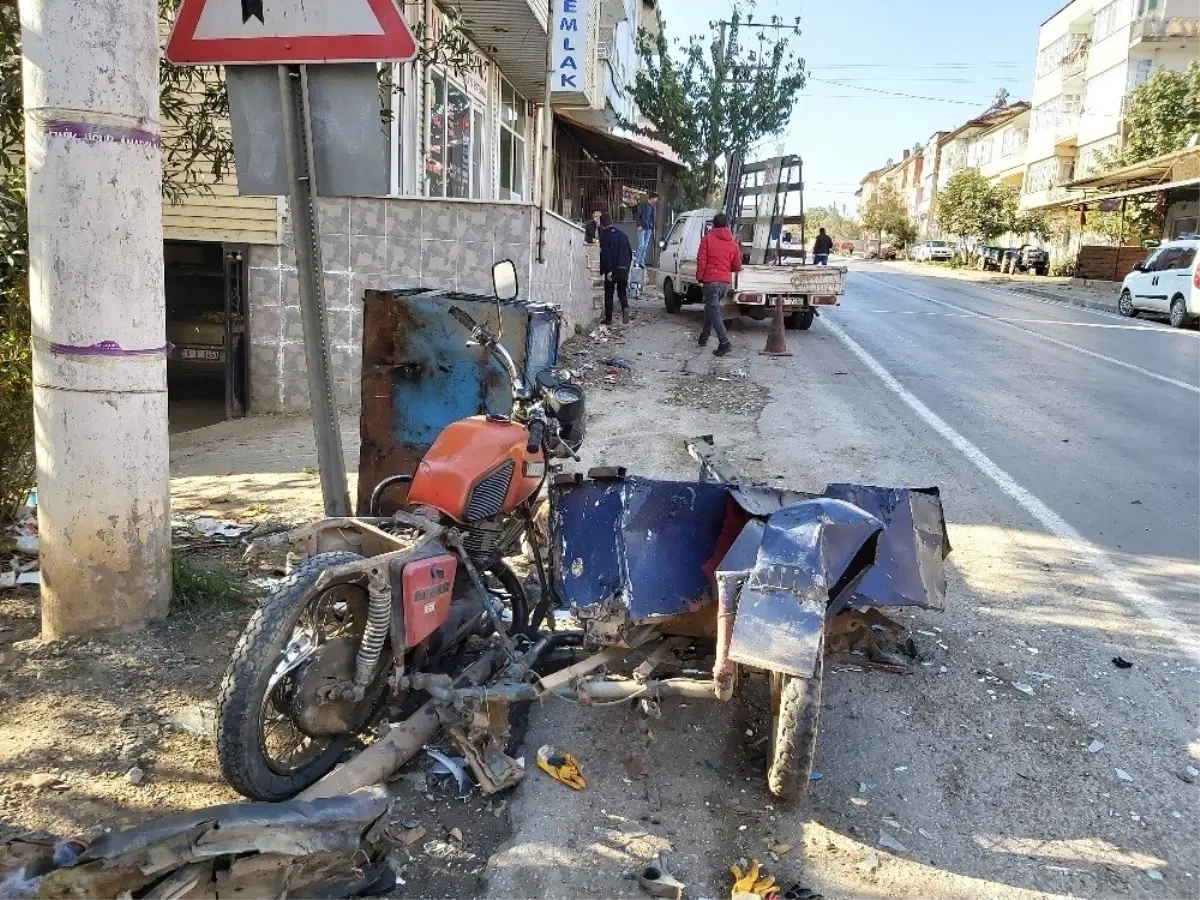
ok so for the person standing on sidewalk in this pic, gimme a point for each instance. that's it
(644, 214)
(716, 261)
(822, 247)
(616, 256)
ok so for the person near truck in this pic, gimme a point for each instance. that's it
(718, 258)
(822, 247)
(644, 215)
(616, 256)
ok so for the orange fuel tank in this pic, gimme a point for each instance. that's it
(477, 468)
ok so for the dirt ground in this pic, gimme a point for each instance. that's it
(991, 792)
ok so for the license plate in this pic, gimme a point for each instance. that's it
(194, 353)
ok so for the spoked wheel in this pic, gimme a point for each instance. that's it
(795, 711)
(278, 729)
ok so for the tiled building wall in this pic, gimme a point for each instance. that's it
(383, 244)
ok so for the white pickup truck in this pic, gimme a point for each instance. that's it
(801, 287)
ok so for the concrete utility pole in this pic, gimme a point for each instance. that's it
(96, 292)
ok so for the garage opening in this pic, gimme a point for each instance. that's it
(206, 369)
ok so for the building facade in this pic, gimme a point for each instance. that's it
(1092, 54)
(466, 176)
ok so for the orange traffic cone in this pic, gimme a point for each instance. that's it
(776, 345)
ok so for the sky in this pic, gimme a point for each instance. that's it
(949, 51)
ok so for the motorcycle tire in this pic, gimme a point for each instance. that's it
(795, 714)
(241, 742)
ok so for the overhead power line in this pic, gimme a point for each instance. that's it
(860, 87)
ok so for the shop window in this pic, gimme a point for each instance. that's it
(453, 163)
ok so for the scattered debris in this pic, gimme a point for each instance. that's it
(658, 882)
(635, 767)
(1154, 875)
(776, 847)
(42, 781)
(450, 765)
(1123, 775)
(219, 527)
(135, 775)
(749, 879)
(617, 362)
(200, 719)
(1095, 746)
(871, 862)
(410, 836)
(1188, 774)
(455, 834)
(887, 842)
(561, 767)
(1026, 689)
(798, 892)
(1121, 663)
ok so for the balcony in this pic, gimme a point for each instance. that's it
(1162, 25)
(1066, 127)
(1074, 63)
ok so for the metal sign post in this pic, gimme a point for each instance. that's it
(306, 235)
(286, 132)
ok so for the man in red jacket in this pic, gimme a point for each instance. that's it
(720, 255)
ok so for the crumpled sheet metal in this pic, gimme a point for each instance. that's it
(322, 847)
(807, 550)
(643, 540)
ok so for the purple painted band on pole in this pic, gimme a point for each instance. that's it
(107, 348)
(102, 134)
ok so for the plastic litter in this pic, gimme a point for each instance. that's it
(1095, 746)
(219, 527)
(1026, 689)
(450, 765)
(1123, 775)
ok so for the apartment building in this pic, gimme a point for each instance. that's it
(1091, 55)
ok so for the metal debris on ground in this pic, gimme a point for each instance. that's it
(1026, 689)
(326, 848)
(658, 882)
(1095, 746)
(1123, 775)
(450, 765)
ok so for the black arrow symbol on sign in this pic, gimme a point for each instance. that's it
(252, 8)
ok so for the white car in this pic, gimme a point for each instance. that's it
(919, 252)
(1167, 282)
(937, 250)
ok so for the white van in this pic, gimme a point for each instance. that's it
(1167, 282)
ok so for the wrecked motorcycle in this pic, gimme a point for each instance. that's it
(367, 604)
(761, 582)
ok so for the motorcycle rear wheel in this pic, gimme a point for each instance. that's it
(795, 715)
(261, 751)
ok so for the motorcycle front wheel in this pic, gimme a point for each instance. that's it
(263, 753)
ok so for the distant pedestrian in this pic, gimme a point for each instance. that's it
(822, 247)
(591, 230)
(616, 256)
(644, 215)
(720, 255)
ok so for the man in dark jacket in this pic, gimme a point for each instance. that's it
(616, 256)
(718, 258)
(644, 215)
(591, 231)
(822, 247)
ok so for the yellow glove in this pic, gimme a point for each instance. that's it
(561, 767)
(749, 882)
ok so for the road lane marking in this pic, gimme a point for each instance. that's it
(1195, 389)
(968, 315)
(1101, 563)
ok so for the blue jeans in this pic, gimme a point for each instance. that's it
(643, 246)
(714, 293)
(821, 259)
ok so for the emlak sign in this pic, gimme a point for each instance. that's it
(571, 49)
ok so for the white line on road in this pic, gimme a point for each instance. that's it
(1062, 322)
(1108, 359)
(1137, 597)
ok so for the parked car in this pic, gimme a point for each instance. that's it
(916, 252)
(1026, 259)
(937, 250)
(1167, 282)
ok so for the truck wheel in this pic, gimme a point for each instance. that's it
(799, 321)
(671, 300)
(795, 711)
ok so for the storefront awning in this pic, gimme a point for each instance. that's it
(608, 147)
(1171, 170)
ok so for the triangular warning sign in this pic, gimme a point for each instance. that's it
(264, 32)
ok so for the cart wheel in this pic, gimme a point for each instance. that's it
(795, 710)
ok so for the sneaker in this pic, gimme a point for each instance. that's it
(703, 342)
(624, 317)
(723, 350)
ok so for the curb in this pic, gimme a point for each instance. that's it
(1084, 302)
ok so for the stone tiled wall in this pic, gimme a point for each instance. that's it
(382, 244)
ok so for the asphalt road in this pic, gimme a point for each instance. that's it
(1095, 416)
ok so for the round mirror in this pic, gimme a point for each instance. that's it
(504, 280)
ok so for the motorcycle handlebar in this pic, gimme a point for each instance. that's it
(537, 430)
(463, 318)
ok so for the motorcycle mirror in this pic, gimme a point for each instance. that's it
(504, 280)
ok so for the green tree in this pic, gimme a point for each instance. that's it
(1163, 114)
(885, 211)
(1018, 221)
(830, 218)
(708, 101)
(971, 209)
